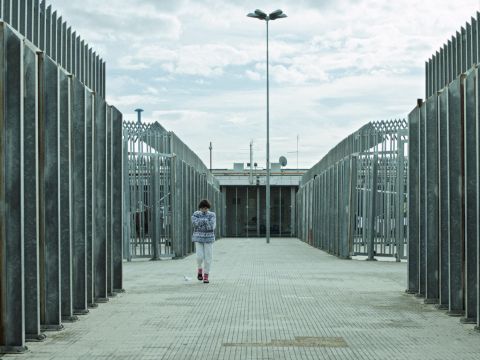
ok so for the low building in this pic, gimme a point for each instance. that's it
(244, 189)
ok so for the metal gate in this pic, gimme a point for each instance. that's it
(163, 182)
(381, 215)
(147, 192)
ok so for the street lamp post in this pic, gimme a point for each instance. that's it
(260, 15)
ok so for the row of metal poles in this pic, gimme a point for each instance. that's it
(46, 30)
(444, 217)
(455, 57)
(443, 198)
(61, 194)
(164, 182)
(353, 202)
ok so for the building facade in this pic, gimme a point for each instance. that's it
(244, 191)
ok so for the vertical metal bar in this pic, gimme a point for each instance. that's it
(12, 299)
(372, 208)
(6, 11)
(449, 61)
(77, 64)
(476, 39)
(399, 221)
(89, 197)
(90, 70)
(14, 14)
(441, 81)
(458, 40)
(50, 211)
(63, 45)
(455, 190)
(470, 194)
(430, 184)
(68, 50)
(445, 65)
(108, 198)
(53, 49)
(454, 59)
(48, 31)
(352, 183)
(443, 196)
(474, 42)
(422, 197)
(429, 78)
(22, 14)
(36, 23)
(78, 198)
(30, 198)
(64, 95)
(468, 50)
(99, 196)
(104, 75)
(464, 49)
(117, 199)
(85, 65)
(81, 61)
(29, 17)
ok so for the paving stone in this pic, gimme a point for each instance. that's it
(283, 300)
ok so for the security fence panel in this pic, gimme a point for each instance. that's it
(89, 187)
(421, 211)
(108, 201)
(65, 200)
(431, 201)
(413, 201)
(477, 196)
(78, 199)
(443, 197)
(453, 102)
(50, 313)
(359, 204)
(164, 183)
(117, 199)
(455, 190)
(30, 199)
(12, 324)
(470, 201)
(99, 200)
(45, 117)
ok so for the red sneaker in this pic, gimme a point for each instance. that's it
(205, 279)
(199, 275)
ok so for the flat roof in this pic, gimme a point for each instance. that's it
(284, 177)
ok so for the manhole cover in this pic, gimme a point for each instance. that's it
(299, 341)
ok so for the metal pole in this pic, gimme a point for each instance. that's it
(297, 151)
(251, 163)
(210, 155)
(267, 204)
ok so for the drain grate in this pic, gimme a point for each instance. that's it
(299, 341)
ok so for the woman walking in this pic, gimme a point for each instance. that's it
(204, 223)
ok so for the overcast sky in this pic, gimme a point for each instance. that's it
(198, 67)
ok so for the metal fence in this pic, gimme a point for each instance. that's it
(164, 182)
(46, 30)
(60, 177)
(444, 181)
(353, 202)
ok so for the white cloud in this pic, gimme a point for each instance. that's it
(253, 75)
(198, 66)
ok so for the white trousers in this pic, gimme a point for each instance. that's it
(204, 255)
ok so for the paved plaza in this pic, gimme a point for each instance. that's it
(283, 300)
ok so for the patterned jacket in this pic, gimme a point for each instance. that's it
(203, 226)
